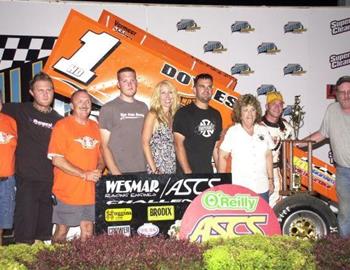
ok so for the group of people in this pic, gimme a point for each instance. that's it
(51, 164)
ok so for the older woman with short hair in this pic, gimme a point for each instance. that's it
(249, 144)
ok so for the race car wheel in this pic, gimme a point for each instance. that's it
(305, 217)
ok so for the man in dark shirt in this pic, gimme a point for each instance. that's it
(33, 171)
(197, 128)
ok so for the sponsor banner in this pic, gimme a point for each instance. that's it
(339, 27)
(148, 204)
(124, 229)
(339, 60)
(227, 211)
(165, 212)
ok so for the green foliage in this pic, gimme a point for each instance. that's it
(15, 257)
(259, 252)
(117, 252)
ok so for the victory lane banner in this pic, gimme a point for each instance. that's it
(148, 205)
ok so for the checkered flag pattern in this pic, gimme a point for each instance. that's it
(16, 50)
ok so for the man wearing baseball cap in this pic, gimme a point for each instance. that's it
(336, 126)
(279, 130)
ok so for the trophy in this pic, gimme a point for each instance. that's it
(297, 117)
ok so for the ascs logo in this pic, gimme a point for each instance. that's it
(227, 211)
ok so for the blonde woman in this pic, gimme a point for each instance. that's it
(157, 136)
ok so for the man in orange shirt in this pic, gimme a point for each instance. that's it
(75, 152)
(8, 142)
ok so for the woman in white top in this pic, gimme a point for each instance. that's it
(157, 135)
(249, 144)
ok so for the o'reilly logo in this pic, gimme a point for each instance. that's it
(218, 200)
(341, 26)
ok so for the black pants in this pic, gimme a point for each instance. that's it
(33, 211)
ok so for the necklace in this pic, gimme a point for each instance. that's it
(46, 110)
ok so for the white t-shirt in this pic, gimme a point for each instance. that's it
(248, 163)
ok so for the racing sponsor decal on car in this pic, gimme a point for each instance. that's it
(323, 174)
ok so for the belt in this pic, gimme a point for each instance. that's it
(3, 178)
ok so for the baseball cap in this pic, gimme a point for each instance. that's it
(272, 96)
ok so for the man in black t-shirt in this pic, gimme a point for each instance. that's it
(197, 128)
(33, 170)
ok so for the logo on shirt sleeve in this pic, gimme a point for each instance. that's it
(5, 138)
(87, 142)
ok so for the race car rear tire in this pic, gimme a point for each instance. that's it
(306, 217)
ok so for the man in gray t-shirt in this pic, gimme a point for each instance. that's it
(121, 122)
(336, 127)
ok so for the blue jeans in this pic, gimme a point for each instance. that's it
(343, 194)
(7, 202)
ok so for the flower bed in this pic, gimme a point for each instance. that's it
(119, 252)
